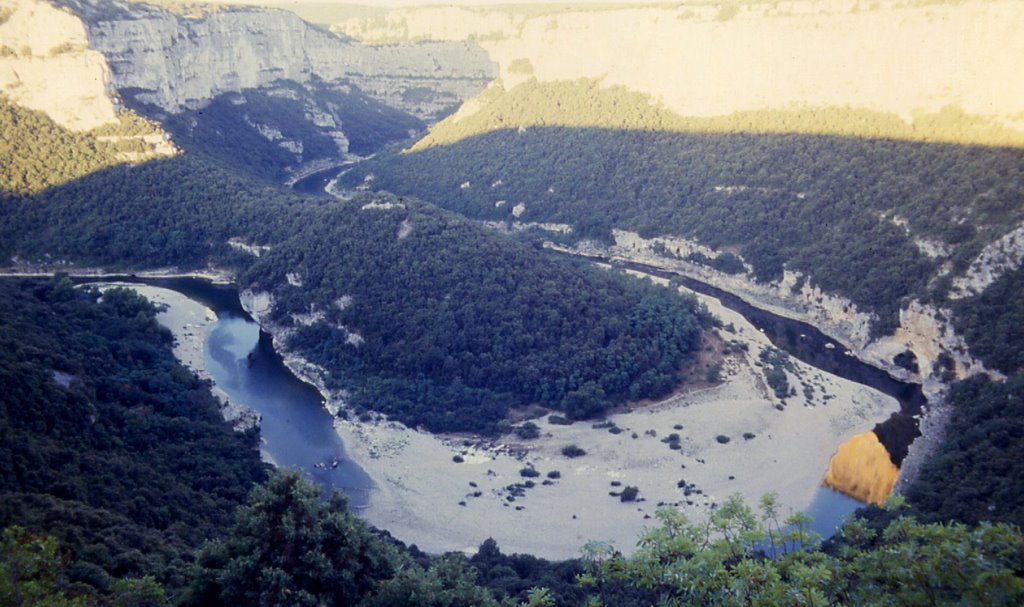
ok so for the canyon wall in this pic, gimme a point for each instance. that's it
(903, 58)
(177, 62)
(46, 65)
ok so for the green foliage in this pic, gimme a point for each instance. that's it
(527, 431)
(288, 547)
(106, 442)
(725, 262)
(993, 323)
(587, 401)
(573, 451)
(976, 473)
(813, 191)
(28, 142)
(721, 563)
(775, 364)
(516, 578)
(449, 582)
(34, 572)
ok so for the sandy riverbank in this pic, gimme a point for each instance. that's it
(420, 487)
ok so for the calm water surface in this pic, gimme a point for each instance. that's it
(297, 431)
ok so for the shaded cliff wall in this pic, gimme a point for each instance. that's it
(178, 62)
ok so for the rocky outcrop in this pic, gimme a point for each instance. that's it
(46, 64)
(259, 305)
(176, 62)
(924, 330)
(996, 259)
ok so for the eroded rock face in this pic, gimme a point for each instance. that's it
(888, 56)
(41, 47)
(998, 258)
(177, 63)
(924, 330)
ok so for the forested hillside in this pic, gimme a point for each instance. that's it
(976, 475)
(446, 323)
(262, 133)
(106, 442)
(858, 215)
(38, 153)
(993, 322)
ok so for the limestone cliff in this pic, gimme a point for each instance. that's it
(923, 329)
(175, 62)
(46, 65)
(702, 60)
(998, 258)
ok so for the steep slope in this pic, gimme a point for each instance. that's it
(264, 81)
(40, 45)
(39, 153)
(106, 441)
(712, 59)
(412, 310)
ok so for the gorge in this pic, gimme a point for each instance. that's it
(581, 279)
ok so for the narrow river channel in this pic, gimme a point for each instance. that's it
(807, 344)
(296, 431)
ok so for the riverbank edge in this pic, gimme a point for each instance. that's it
(934, 415)
(302, 369)
(191, 322)
(397, 459)
(217, 276)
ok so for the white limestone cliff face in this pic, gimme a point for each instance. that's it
(46, 65)
(1002, 256)
(887, 56)
(175, 62)
(259, 304)
(924, 329)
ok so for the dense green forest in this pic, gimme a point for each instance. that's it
(457, 323)
(288, 547)
(106, 442)
(226, 129)
(38, 153)
(844, 210)
(993, 322)
(978, 472)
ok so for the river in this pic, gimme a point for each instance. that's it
(315, 184)
(296, 431)
(808, 344)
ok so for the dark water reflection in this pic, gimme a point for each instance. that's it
(296, 431)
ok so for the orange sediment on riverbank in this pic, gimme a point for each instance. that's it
(862, 469)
